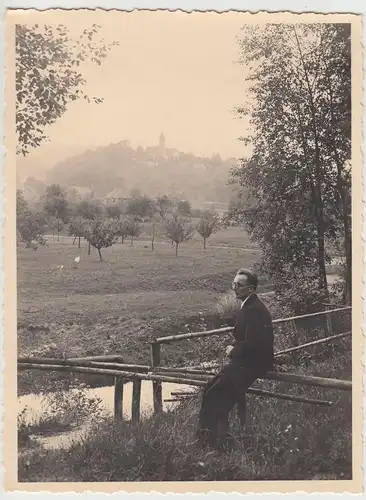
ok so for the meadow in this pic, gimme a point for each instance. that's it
(118, 306)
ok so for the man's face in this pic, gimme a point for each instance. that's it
(240, 286)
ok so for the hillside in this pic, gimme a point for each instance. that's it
(153, 170)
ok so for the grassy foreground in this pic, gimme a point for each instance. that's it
(286, 441)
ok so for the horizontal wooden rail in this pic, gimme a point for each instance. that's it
(189, 379)
(314, 342)
(228, 329)
(121, 376)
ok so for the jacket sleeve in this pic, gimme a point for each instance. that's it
(254, 337)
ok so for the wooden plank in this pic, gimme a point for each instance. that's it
(136, 400)
(118, 398)
(157, 387)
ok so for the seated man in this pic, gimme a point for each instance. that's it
(251, 357)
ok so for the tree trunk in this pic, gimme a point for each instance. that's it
(122, 239)
(176, 249)
(347, 247)
(74, 240)
(58, 235)
(89, 248)
(79, 242)
(131, 241)
(100, 254)
(152, 244)
(204, 243)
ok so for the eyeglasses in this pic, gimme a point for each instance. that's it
(236, 285)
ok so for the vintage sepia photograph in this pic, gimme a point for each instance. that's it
(184, 214)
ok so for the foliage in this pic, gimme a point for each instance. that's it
(30, 225)
(114, 210)
(140, 206)
(63, 410)
(101, 233)
(178, 230)
(88, 208)
(56, 225)
(133, 229)
(48, 76)
(183, 208)
(209, 223)
(164, 205)
(77, 227)
(55, 202)
(297, 174)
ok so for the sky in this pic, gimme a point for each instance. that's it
(172, 72)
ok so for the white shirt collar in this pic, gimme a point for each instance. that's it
(244, 301)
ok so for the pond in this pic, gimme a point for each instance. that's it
(37, 404)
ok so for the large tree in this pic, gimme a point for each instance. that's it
(48, 76)
(300, 132)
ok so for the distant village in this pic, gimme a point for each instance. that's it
(116, 172)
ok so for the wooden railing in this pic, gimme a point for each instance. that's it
(113, 366)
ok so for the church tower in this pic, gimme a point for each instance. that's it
(162, 144)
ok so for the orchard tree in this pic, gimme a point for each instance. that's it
(55, 202)
(178, 230)
(56, 225)
(49, 77)
(101, 233)
(164, 205)
(141, 206)
(123, 224)
(88, 209)
(297, 174)
(29, 224)
(114, 210)
(134, 229)
(183, 208)
(209, 224)
(77, 228)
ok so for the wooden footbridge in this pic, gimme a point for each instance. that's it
(113, 366)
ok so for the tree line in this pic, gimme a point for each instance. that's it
(103, 225)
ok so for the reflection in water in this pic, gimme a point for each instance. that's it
(36, 405)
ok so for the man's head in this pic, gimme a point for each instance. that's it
(244, 284)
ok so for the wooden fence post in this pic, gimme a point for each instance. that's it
(328, 318)
(118, 398)
(157, 389)
(295, 340)
(136, 399)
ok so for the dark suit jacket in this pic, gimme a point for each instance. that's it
(253, 334)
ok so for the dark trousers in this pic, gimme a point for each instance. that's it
(220, 395)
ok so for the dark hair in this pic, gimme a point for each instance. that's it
(252, 277)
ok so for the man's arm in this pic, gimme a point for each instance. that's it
(254, 335)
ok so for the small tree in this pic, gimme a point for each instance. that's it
(89, 209)
(141, 206)
(184, 208)
(122, 225)
(30, 225)
(209, 223)
(114, 210)
(101, 233)
(56, 225)
(55, 202)
(178, 230)
(77, 227)
(134, 229)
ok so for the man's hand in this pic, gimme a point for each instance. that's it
(229, 349)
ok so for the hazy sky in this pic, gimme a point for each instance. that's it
(172, 73)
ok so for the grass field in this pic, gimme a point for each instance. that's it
(118, 305)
